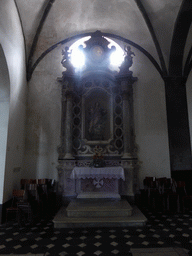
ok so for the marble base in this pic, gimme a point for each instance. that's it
(81, 208)
(61, 220)
(98, 195)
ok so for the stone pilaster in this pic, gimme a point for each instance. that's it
(68, 125)
(127, 95)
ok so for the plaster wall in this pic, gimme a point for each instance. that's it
(189, 102)
(44, 118)
(188, 84)
(12, 42)
(150, 121)
(4, 116)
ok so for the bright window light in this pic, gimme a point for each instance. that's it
(117, 56)
(78, 58)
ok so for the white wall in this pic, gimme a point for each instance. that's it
(12, 41)
(44, 119)
(150, 120)
(189, 102)
(4, 116)
(188, 84)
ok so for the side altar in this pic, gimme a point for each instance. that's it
(97, 154)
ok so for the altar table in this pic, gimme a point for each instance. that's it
(94, 182)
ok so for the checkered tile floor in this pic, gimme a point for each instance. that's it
(161, 230)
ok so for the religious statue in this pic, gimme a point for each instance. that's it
(97, 119)
(66, 63)
(128, 60)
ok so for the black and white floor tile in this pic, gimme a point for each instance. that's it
(161, 230)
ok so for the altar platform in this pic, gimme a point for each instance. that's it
(82, 213)
(98, 202)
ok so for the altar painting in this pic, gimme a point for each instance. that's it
(97, 118)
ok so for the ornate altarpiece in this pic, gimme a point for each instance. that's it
(97, 113)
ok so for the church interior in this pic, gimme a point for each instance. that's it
(96, 126)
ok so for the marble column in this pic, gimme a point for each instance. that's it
(127, 95)
(68, 124)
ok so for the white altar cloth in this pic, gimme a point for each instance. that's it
(115, 172)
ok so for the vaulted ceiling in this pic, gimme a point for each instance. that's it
(160, 27)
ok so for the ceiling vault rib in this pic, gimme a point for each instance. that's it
(188, 59)
(188, 64)
(180, 33)
(152, 32)
(36, 37)
(188, 70)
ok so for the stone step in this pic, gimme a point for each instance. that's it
(98, 208)
(61, 220)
